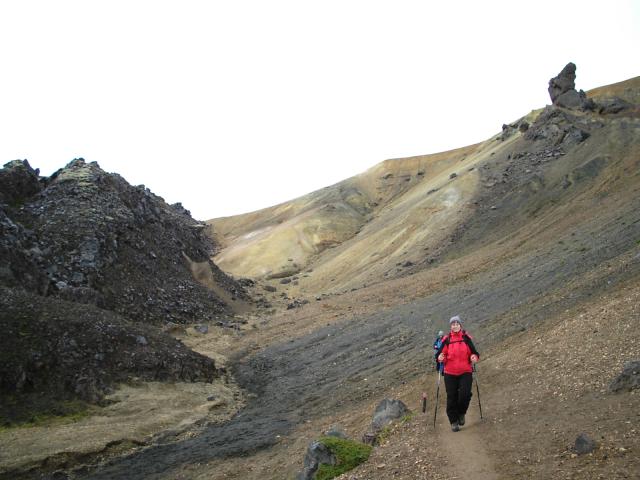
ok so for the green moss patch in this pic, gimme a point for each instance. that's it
(349, 454)
(29, 412)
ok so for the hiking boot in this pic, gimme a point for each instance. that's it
(461, 420)
(455, 427)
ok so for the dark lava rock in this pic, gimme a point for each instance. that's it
(317, 453)
(557, 127)
(613, 105)
(628, 379)
(563, 83)
(563, 93)
(52, 350)
(387, 411)
(97, 236)
(22, 261)
(584, 444)
(90, 268)
(18, 181)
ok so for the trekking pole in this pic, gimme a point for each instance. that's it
(475, 375)
(435, 412)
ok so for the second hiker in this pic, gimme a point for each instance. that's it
(437, 344)
(458, 355)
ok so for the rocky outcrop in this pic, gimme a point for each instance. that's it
(557, 127)
(509, 129)
(52, 349)
(90, 267)
(613, 105)
(21, 259)
(18, 181)
(563, 83)
(563, 92)
(103, 241)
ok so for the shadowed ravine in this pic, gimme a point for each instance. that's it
(316, 374)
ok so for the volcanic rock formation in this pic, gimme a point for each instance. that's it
(90, 268)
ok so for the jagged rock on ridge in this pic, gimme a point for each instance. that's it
(563, 93)
(564, 82)
(18, 181)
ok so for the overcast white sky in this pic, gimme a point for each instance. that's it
(231, 106)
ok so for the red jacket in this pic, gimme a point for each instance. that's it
(457, 353)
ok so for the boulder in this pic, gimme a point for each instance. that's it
(563, 83)
(612, 105)
(584, 444)
(317, 453)
(386, 412)
(563, 92)
(628, 379)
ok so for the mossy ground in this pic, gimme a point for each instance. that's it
(20, 413)
(350, 454)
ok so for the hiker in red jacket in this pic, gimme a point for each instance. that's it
(458, 354)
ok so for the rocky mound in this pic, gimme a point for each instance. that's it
(88, 264)
(53, 350)
(104, 242)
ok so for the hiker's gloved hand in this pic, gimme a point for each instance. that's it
(441, 357)
(474, 358)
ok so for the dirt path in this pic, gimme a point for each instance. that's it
(465, 449)
(414, 450)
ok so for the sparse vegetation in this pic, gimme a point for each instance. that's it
(350, 454)
(57, 413)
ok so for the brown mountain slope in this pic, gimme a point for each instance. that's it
(404, 214)
(286, 239)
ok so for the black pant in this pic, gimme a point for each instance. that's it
(458, 394)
